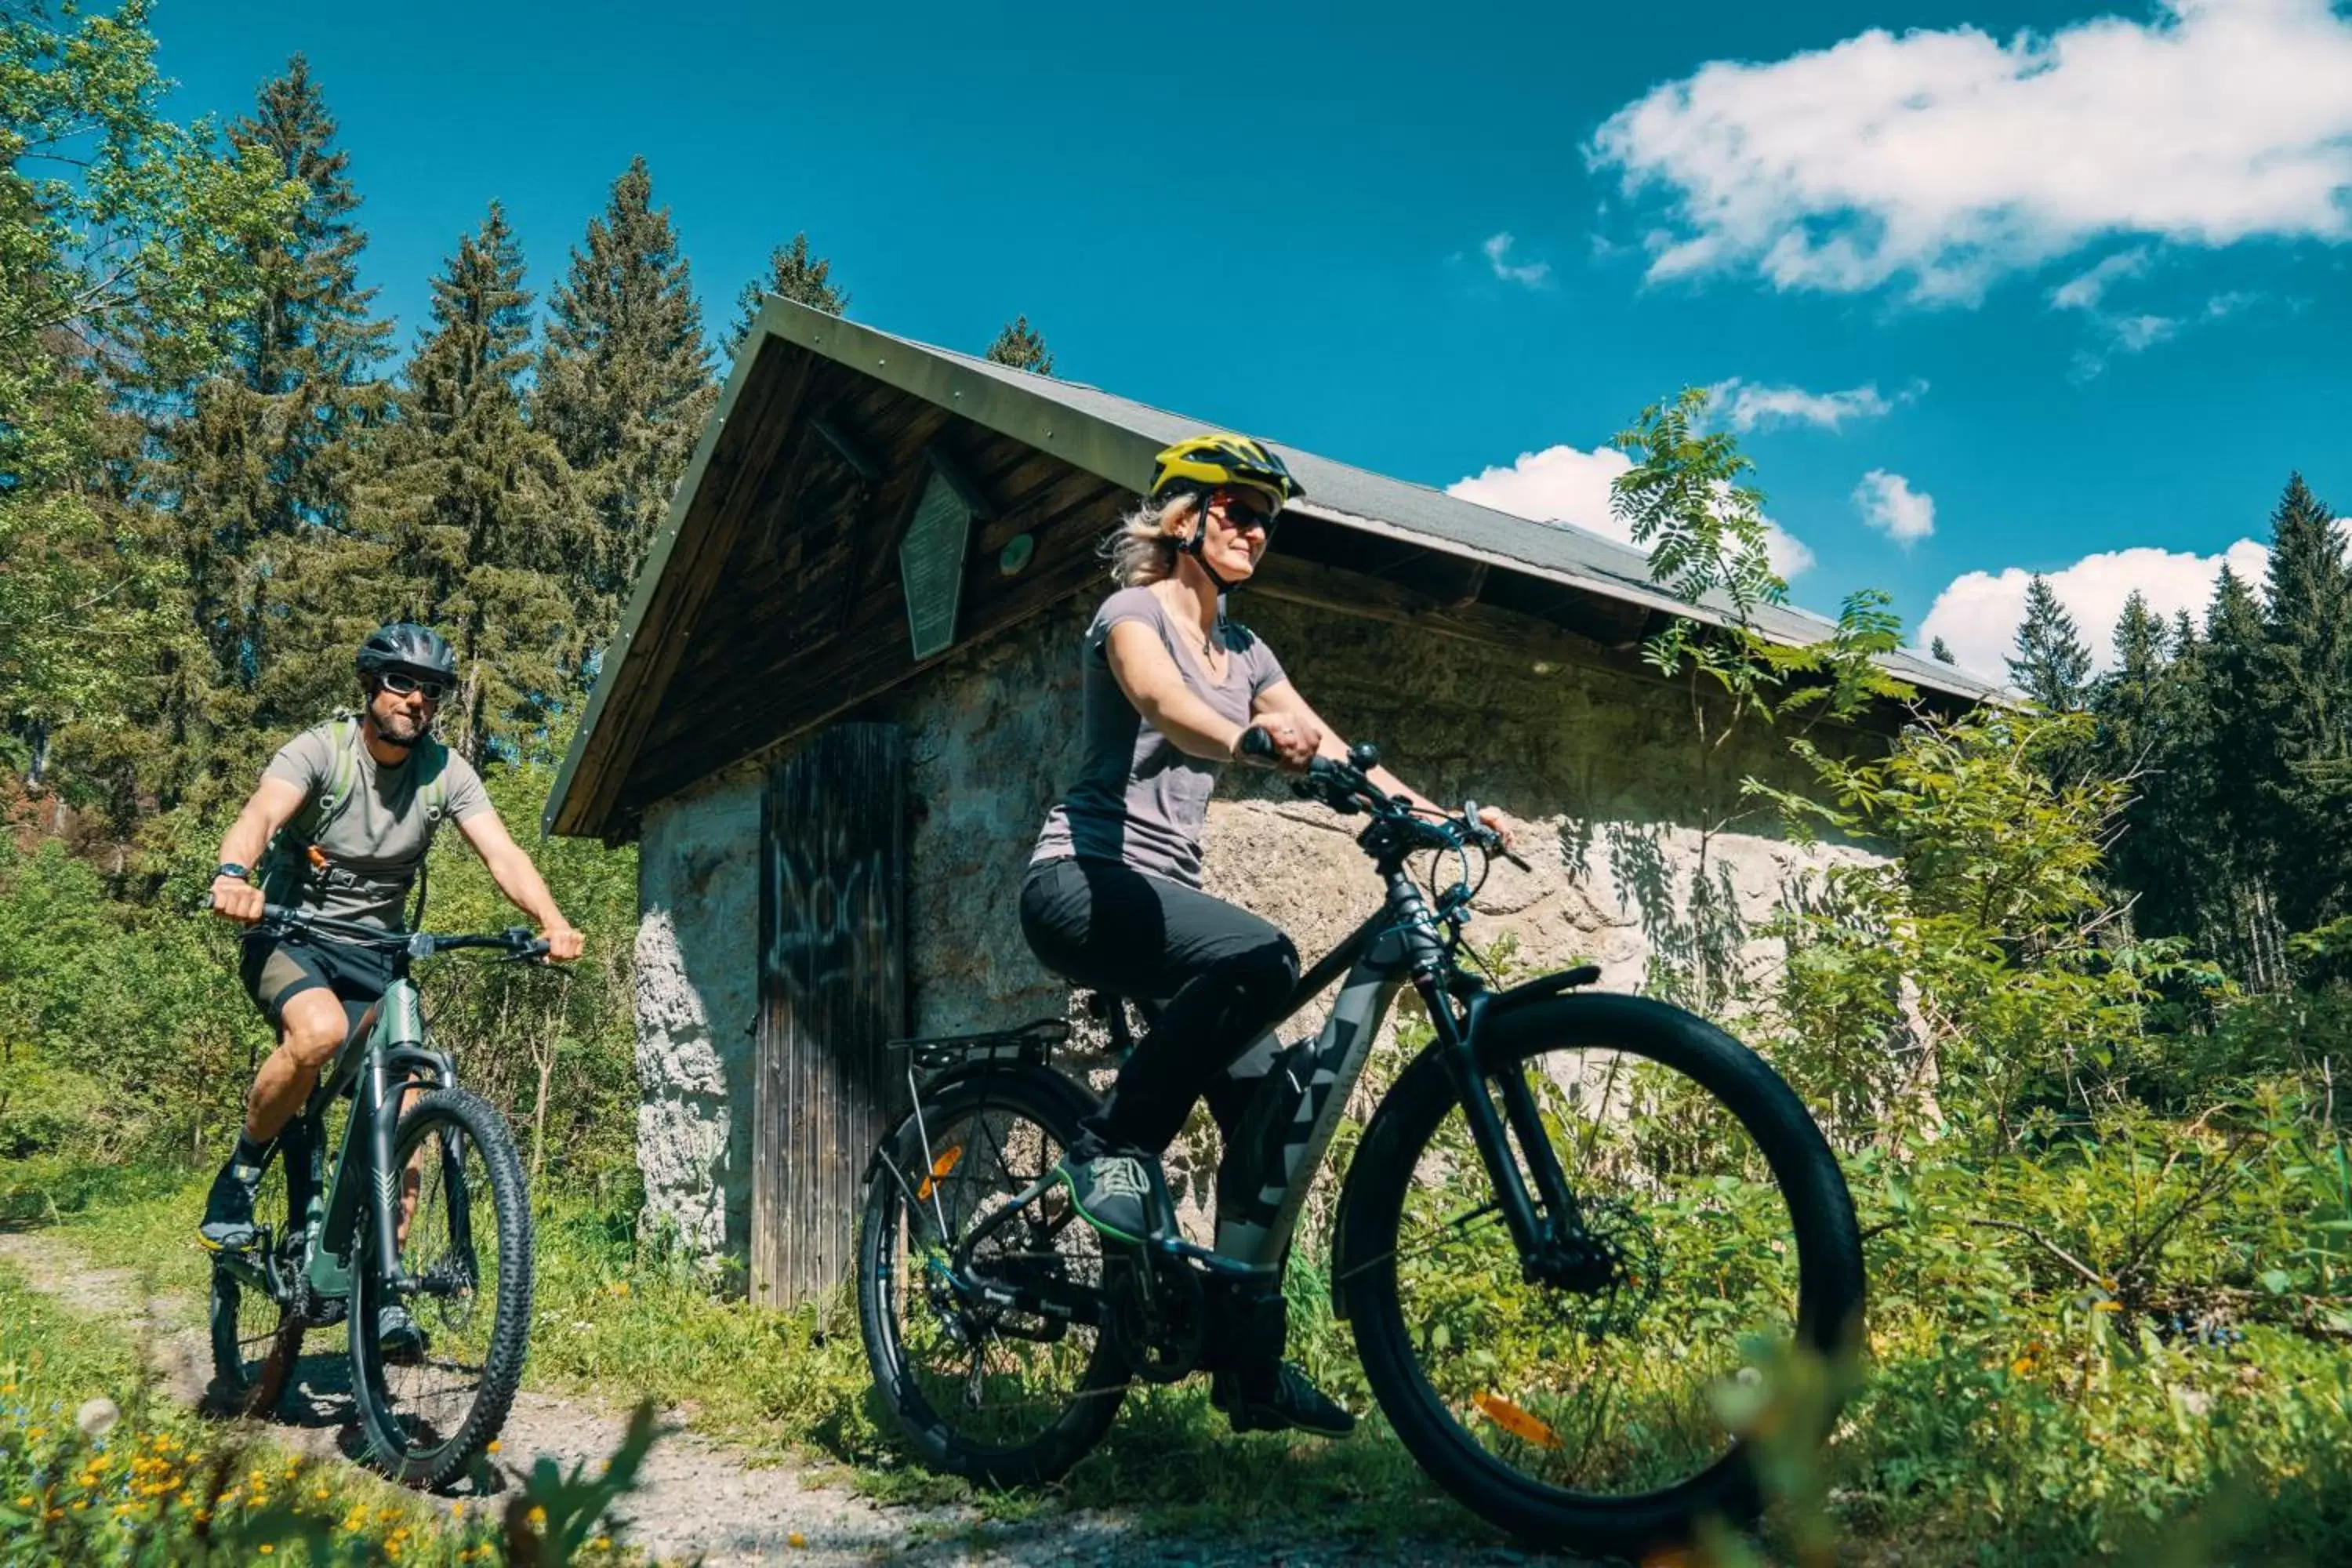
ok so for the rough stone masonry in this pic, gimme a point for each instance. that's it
(1604, 768)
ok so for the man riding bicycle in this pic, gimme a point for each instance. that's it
(346, 811)
(1113, 898)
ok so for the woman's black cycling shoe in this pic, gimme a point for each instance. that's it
(1282, 1399)
(1119, 1192)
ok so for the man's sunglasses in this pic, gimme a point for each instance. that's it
(401, 685)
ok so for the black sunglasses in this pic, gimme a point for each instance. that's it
(401, 685)
(1241, 515)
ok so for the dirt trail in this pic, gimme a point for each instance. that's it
(696, 1500)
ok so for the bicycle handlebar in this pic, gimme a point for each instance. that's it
(1347, 788)
(517, 941)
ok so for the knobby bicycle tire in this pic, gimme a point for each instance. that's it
(1055, 1105)
(1819, 1211)
(256, 1388)
(390, 1442)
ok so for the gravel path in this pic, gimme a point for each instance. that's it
(700, 1500)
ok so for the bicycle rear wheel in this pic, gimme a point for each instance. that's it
(256, 1340)
(1587, 1401)
(983, 1323)
(466, 1252)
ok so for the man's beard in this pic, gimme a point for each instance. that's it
(397, 729)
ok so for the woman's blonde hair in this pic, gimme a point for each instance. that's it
(1142, 548)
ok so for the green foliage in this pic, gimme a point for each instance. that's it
(1023, 347)
(111, 216)
(1685, 499)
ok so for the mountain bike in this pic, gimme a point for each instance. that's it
(1573, 1225)
(422, 1206)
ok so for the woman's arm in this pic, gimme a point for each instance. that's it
(1142, 665)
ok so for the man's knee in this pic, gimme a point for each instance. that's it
(311, 1027)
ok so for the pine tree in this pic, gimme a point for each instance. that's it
(473, 513)
(1940, 653)
(796, 275)
(624, 385)
(2307, 772)
(2132, 742)
(1023, 347)
(2050, 665)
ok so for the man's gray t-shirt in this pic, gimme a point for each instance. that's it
(377, 841)
(1138, 798)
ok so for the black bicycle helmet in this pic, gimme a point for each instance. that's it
(406, 646)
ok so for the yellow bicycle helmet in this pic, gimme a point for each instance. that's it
(1213, 461)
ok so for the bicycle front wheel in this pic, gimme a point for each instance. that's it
(984, 1320)
(1589, 1395)
(435, 1390)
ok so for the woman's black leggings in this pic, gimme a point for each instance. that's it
(1221, 973)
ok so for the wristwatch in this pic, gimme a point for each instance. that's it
(230, 869)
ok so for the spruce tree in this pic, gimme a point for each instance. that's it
(2050, 665)
(2306, 706)
(799, 277)
(624, 385)
(1023, 347)
(2234, 661)
(472, 512)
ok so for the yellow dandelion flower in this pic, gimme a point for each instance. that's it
(601, 1543)
(796, 1538)
(2106, 1306)
(494, 1444)
(267, 1549)
(23, 1502)
(538, 1517)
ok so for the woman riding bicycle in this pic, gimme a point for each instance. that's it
(1113, 899)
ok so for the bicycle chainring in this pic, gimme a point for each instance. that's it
(1159, 1316)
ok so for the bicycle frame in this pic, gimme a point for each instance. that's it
(378, 1063)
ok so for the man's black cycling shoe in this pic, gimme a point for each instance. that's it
(1278, 1400)
(397, 1334)
(1116, 1190)
(227, 1223)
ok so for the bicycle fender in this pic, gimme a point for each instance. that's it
(1541, 989)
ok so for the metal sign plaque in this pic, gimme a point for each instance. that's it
(930, 565)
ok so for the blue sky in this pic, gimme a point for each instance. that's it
(1990, 288)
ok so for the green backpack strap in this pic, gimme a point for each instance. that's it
(342, 780)
(286, 867)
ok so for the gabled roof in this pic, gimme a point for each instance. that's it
(1114, 438)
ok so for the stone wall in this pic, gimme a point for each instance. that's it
(1603, 769)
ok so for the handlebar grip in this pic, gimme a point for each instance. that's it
(1256, 747)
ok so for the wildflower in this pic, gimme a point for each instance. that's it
(538, 1517)
(97, 1417)
(796, 1538)
(494, 1445)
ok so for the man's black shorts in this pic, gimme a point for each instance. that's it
(276, 968)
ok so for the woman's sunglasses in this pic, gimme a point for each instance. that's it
(401, 685)
(1241, 515)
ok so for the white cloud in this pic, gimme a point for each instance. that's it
(2134, 333)
(1747, 407)
(1562, 484)
(1890, 505)
(1945, 158)
(2083, 293)
(1533, 274)
(1977, 614)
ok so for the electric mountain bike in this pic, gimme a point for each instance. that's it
(1574, 1221)
(422, 1206)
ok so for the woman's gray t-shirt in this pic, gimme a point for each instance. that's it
(1138, 798)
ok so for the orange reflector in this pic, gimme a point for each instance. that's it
(1515, 1421)
(940, 1167)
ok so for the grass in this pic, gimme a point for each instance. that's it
(97, 1466)
(2004, 1421)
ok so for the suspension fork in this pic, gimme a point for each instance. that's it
(1551, 1211)
(383, 1187)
